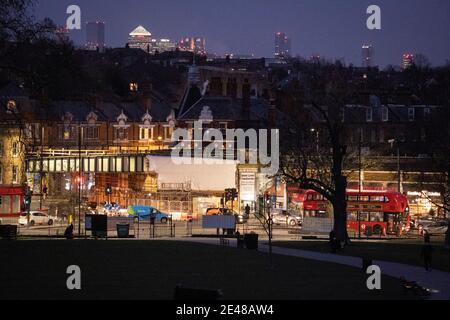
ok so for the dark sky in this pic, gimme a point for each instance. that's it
(331, 28)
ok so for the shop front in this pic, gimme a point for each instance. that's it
(11, 200)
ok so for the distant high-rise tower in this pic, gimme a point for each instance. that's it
(95, 36)
(367, 56)
(140, 38)
(407, 60)
(283, 45)
(193, 44)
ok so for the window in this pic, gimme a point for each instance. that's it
(426, 112)
(5, 204)
(146, 133)
(133, 87)
(168, 132)
(66, 133)
(352, 216)
(411, 114)
(33, 131)
(369, 115)
(92, 133)
(11, 106)
(1, 175)
(121, 134)
(15, 149)
(377, 199)
(15, 174)
(364, 216)
(381, 135)
(376, 217)
(1, 148)
(373, 136)
(384, 114)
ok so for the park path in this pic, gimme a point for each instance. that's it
(437, 281)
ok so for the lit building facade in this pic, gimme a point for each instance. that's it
(367, 56)
(193, 44)
(283, 45)
(407, 60)
(140, 38)
(163, 45)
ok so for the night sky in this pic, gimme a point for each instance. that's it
(331, 28)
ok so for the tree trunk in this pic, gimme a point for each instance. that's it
(340, 209)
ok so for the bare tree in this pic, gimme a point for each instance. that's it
(314, 158)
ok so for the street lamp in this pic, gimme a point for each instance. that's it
(317, 138)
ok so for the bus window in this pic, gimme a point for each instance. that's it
(364, 198)
(352, 216)
(364, 216)
(377, 199)
(352, 198)
(376, 217)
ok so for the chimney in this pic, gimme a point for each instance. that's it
(246, 101)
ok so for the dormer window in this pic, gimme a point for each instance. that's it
(206, 115)
(92, 118)
(11, 106)
(121, 128)
(146, 129)
(67, 118)
(134, 87)
(92, 129)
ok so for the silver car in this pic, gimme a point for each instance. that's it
(281, 217)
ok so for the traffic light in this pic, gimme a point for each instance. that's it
(234, 194)
(27, 199)
(108, 189)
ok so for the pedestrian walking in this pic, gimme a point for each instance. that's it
(427, 253)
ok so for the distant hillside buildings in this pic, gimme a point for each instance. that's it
(141, 38)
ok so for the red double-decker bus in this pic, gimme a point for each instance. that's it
(368, 212)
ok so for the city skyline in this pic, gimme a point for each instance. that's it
(335, 31)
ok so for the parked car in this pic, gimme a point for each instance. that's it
(36, 218)
(438, 227)
(240, 218)
(423, 222)
(139, 213)
(282, 217)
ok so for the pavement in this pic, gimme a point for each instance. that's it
(437, 281)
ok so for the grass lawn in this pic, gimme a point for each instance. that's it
(152, 269)
(407, 252)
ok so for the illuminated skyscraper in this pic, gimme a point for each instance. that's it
(196, 45)
(282, 45)
(95, 36)
(407, 60)
(367, 56)
(140, 38)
